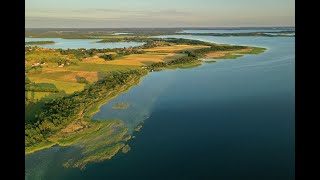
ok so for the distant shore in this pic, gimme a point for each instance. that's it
(39, 42)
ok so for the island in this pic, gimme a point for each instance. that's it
(126, 149)
(264, 34)
(124, 36)
(39, 42)
(59, 109)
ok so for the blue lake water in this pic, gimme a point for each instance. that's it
(237, 30)
(81, 43)
(229, 120)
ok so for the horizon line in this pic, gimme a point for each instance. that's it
(159, 27)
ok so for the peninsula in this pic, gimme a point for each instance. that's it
(65, 87)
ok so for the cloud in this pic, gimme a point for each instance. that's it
(59, 22)
(102, 17)
(170, 13)
(111, 10)
(93, 10)
(96, 13)
(108, 17)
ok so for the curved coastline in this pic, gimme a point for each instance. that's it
(88, 124)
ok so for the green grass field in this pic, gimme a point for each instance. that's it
(66, 86)
(36, 95)
(100, 67)
(43, 56)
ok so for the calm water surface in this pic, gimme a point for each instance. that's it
(235, 30)
(229, 120)
(81, 43)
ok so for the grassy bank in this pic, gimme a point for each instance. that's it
(238, 53)
(72, 113)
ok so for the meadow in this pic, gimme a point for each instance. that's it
(91, 68)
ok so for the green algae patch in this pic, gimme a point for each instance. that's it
(126, 149)
(209, 61)
(127, 138)
(138, 128)
(102, 141)
(121, 105)
(40, 146)
(99, 155)
(255, 50)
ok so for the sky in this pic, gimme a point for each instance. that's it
(158, 13)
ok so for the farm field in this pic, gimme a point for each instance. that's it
(92, 68)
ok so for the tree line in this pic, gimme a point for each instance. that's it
(121, 53)
(61, 111)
